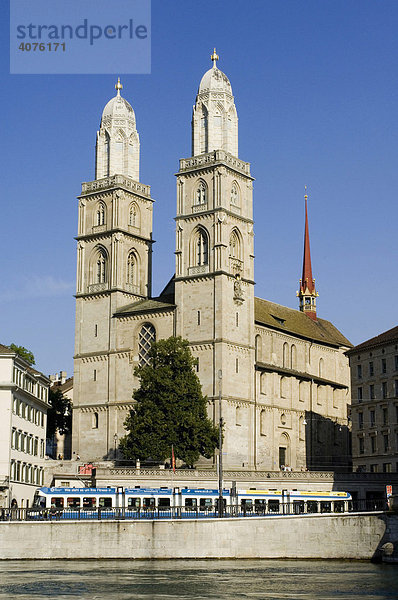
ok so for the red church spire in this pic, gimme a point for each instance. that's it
(307, 293)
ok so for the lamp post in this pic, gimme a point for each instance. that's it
(115, 443)
(220, 483)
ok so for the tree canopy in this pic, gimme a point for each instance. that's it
(59, 413)
(23, 353)
(170, 409)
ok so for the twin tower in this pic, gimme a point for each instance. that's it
(209, 300)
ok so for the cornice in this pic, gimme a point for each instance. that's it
(266, 367)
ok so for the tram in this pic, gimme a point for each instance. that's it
(164, 502)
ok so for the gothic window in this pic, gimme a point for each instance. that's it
(146, 337)
(234, 245)
(201, 193)
(132, 269)
(235, 195)
(100, 215)
(134, 215)
(202, 248)
(101, 267)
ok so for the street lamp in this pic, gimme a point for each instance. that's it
(115, 442)
(220, 484)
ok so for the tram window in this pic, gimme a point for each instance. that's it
(105, 502)
(133, 503)
(273, 506)
(298, 507)
(246, 504)
(260, 506)
(89, 502)
(149, 503)
(164, 503)
(312, 506)
(73, 502)
(57, 502)
(326, 507)
(339, 506)
(190, 503)
(205, 504)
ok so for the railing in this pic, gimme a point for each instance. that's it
(178, 512)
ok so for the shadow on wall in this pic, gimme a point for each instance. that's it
(328, 444)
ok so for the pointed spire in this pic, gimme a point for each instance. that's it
(118, 86)
(306, 279)
(214, 57)
(307, 293)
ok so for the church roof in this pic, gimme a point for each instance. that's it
(118, 106)
(146, 306)
(295, 322)
(387, 337)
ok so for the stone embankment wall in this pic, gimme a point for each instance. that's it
(359, 536)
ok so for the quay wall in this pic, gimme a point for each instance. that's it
(354, 536)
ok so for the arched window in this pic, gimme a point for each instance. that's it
(293, 357)
(100, 215)
(285, 354)
(146, 337)
(235, 200)
(234, 245)
(284, 387)
(202, 248)
(132, 269)
(201, 193)
(95, 420)
(238, 416)
(258, 348)
(284, 450)
(101, 267)
(301, 428)
(263, 383)
(134, 215)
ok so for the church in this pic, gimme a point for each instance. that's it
(282, 374)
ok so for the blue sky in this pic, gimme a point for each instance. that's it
(316, 90)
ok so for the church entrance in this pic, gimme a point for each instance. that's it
(282, 457)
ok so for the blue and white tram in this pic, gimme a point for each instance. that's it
(141, 502)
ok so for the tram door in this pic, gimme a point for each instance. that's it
(285, 502)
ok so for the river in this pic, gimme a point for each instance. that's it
(197, 580)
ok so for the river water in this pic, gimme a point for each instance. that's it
(197, 580)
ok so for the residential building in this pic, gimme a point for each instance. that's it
(374, 409)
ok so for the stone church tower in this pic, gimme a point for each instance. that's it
(113, 268)
(214, 281)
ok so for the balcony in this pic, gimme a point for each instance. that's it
(196, 208)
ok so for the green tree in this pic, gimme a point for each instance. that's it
(170, 408)
(23, 353)
(59, 413)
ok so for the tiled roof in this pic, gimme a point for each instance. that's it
(5, 350)
(387, 337)
(296, 322)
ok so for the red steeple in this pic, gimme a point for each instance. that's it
(307, 293)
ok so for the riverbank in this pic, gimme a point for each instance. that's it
(351, 536)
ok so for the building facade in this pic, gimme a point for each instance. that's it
(282, 374)
(23, 420)
(374, 409)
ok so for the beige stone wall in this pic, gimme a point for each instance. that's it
(318, 536)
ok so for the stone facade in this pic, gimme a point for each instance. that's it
(283, 377)
(374, 410)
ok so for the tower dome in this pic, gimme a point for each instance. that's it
(215, 80)
(214, 119)
(118, 144)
